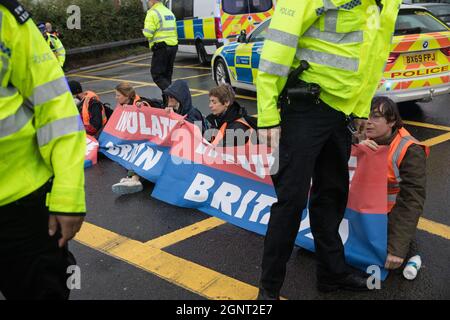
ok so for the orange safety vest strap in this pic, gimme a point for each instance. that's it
(85, 110)
(220, 134)
(136, 99)
(223, 129)
(397, 152)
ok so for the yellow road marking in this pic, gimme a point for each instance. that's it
(186, 274)
(142, 83)
(175, 66)
(112, 66)
(427, 125)
(199, 94)
(245, 97)
(185, 233)
(437, 140)
(435, 228)
(111, 79)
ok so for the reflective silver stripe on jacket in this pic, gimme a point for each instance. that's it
(7, 92)
(274, 68)
(148, 31)
(331, 20)
(328, 59)
(283, 38)
(49, 91)
(396, 156)
(392, 198)
(158, 39)
(159, 18)
(58, 128)
(14, 123)
(335, 37)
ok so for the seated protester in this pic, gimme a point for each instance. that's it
(126, 95)
(227, 124)
(90, 107)
(179, 100)
(406, 177)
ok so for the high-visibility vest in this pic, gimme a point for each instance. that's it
(346, 43)
(136, 99)
(86, 116)
(221, 133)
(397, 150)
(160, 26)
(41, 132)
(57, 47)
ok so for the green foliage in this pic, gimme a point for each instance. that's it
(101, 20)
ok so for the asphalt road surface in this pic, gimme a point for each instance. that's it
(195, 256)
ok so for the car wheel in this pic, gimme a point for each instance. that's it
(221, 73)
(201, 53)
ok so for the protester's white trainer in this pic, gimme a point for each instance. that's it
(127, 186)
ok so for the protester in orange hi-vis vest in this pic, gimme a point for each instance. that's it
(228, 119)
(91, 109)
(406, 177)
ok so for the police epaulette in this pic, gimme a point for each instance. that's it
(17, 10)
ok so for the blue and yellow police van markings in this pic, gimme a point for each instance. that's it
(191, 29)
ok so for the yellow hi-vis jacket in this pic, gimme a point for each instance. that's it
(160, 26)
(41, 132)
(346, 43)
(57, 47)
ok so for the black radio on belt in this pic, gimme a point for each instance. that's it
(297, 89)
(159, 45)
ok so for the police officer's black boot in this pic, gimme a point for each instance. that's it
(267, 295)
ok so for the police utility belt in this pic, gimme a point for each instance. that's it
(159, 45)
(299, 90)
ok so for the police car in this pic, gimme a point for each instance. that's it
(417, 68)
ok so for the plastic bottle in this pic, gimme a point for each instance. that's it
(412, 267)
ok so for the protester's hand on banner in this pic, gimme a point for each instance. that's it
(270, 137)
(169, 110)
(182, 122)
(393, 262)
(371, 144)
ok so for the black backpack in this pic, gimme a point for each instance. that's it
(108, 110)
(252, 121)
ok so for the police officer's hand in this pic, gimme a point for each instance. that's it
(270, 137)
(68, 226)
(393, 262)
(360, 126)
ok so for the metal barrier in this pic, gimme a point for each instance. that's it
(104, 46)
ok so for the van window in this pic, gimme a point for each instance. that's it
(183, 9)
(236, 7)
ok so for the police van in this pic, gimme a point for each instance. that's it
(206, 25)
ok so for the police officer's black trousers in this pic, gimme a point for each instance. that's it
(315, 143)
(32, 267)
(162, 65)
